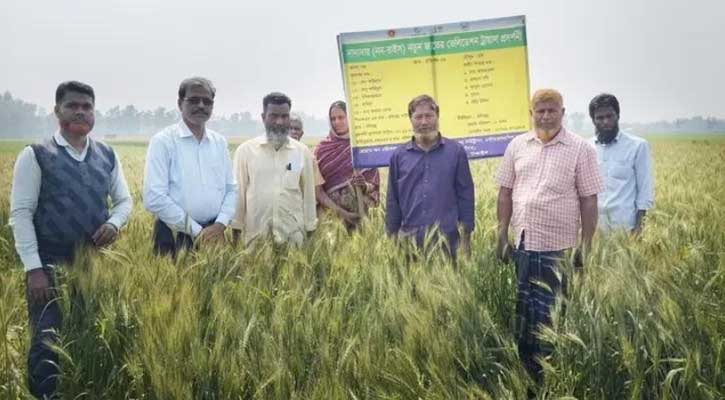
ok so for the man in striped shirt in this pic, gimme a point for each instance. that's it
(549, 181)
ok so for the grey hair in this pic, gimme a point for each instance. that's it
(195, 81)
(296, 117)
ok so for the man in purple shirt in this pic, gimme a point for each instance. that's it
(429, 183)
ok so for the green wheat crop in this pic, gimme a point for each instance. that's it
(353, 317)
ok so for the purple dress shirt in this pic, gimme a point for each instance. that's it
(429, 188)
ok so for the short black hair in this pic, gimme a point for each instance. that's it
(195, 81)
(73, 86)
(603, 100)
(275, 98)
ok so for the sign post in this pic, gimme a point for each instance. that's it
(477, 71)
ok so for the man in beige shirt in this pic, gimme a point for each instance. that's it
(276, 181)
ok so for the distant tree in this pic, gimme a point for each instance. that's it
(237, 124)
(20, 119)
(315, 126)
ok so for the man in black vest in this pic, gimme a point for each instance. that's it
(59, 202)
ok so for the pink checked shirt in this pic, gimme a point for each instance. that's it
(547, 182)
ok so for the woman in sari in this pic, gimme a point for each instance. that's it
(344, 191)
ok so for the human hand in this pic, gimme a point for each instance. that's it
(38, 285)
(349, 217)
(358, 180)
(105, 235)
(578, 259)
(504, 249)
(212, 234)
(236, 234)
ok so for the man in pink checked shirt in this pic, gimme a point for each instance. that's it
(549, 180)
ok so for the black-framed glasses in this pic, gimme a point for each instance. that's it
(196, 100)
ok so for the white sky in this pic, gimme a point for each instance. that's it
(663, 59)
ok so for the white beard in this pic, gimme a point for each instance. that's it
(277, 138)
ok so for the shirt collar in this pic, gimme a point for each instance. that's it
(563, 137)
(264, 142)
(64, 143)
(185, 132)
(615, 140)
(410, 145)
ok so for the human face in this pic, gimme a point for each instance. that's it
(196, 106)
(276, 117)
(547, 117)
(425, 121)
(276, 123)
(338, 121)
(606, 121)
(295, 129)
(75, 113)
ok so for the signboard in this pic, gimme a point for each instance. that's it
(477, 71)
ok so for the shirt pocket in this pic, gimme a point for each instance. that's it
(175, 171)
(410, 172)
(291, 179)
(560, 181)
(404, 174)
(526, 163)
(620, 170)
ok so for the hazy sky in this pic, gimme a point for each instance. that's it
(663, 58)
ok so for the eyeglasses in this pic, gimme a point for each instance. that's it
(196, 100)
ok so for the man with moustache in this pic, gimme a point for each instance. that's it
(276, 179)
(188, 182)
(548, 182)
(626, 166)
(58, 203)
(430, 184)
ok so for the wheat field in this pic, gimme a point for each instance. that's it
(351, 317)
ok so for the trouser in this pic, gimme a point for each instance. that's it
(539, 280)
(166, 244)
(45, 321)
(447, 240)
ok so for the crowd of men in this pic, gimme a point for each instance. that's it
(554, 187)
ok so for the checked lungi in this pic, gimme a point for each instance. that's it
(540, 278)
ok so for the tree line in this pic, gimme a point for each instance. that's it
(581, 123)
(21, 119)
